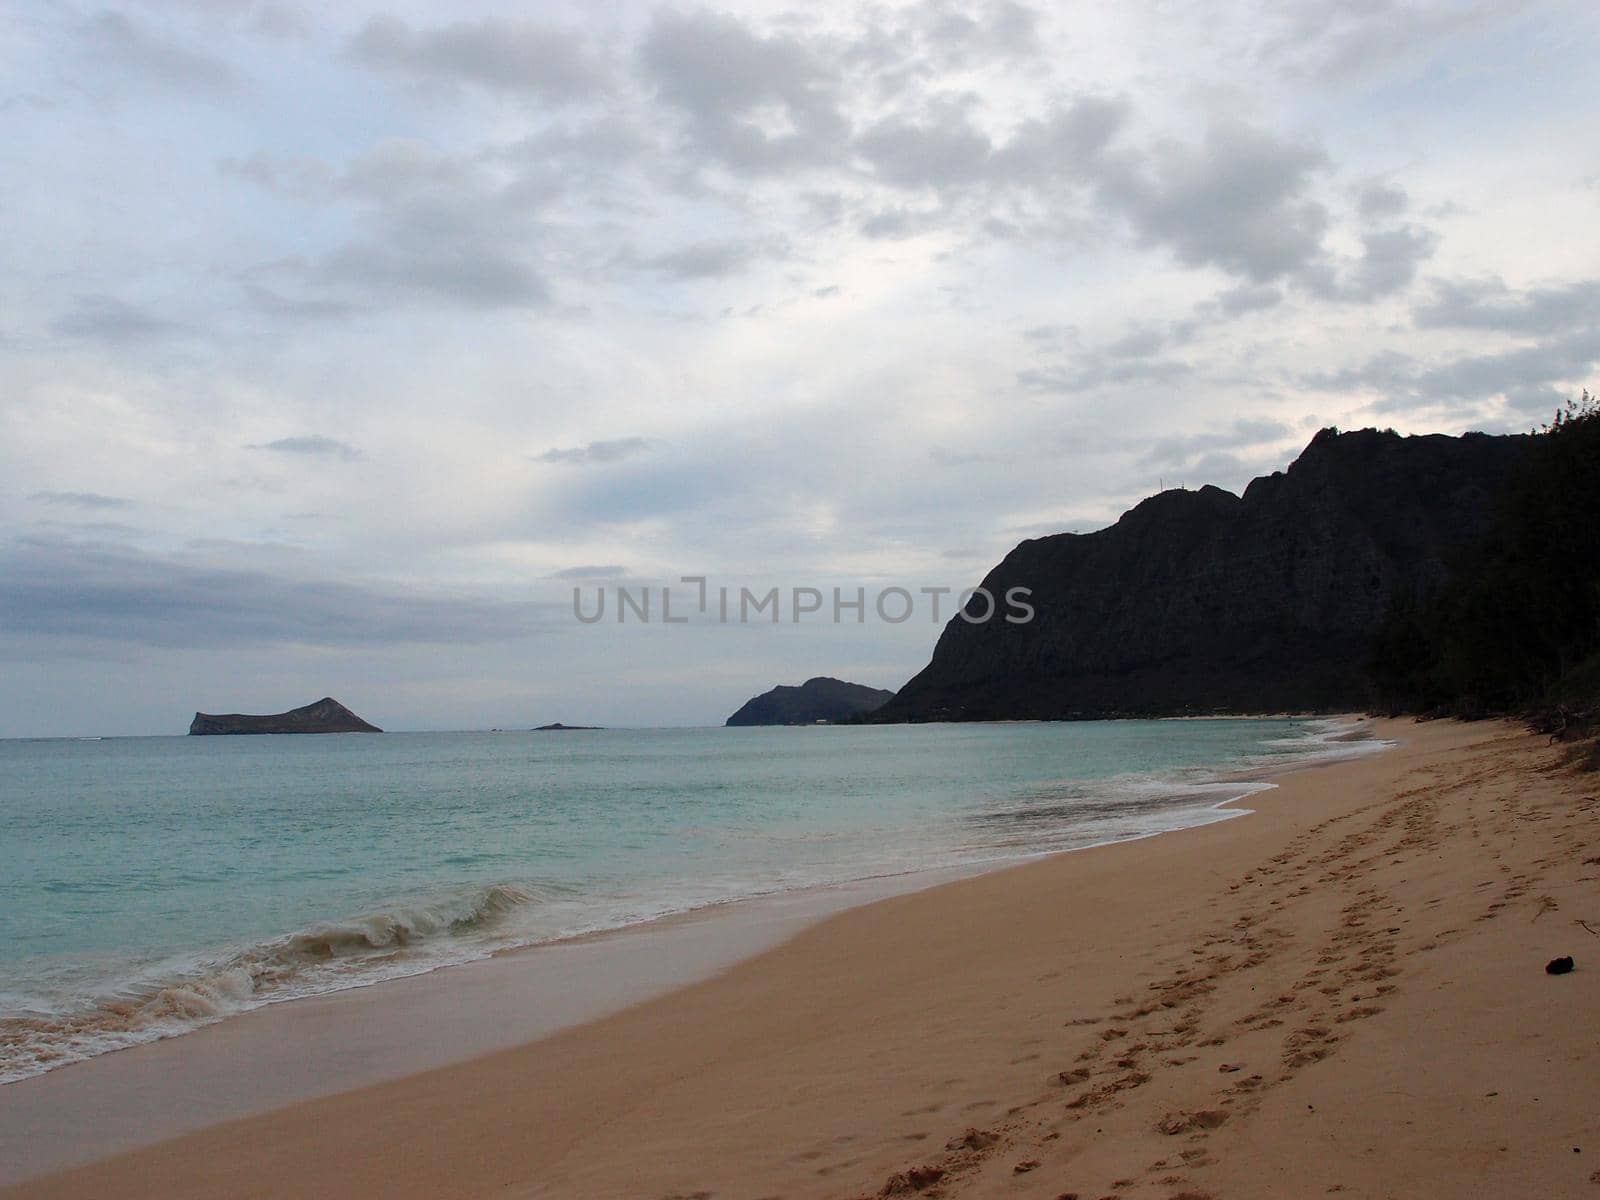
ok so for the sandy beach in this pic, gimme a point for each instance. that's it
(1342, 993)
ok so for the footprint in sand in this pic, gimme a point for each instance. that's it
(1359, 1013)
(1202, 1121)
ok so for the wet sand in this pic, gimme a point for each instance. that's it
(1343, 993)
(348, 1039)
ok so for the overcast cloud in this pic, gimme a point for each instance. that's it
(378, 329)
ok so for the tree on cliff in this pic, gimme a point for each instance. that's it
(1519, 624)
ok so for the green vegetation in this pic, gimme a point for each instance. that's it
(1517, 628)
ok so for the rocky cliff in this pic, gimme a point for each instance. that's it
(325, 716)
(819, 699)
(1203, 601)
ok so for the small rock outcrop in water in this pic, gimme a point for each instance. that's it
(558, 727)
(325, 716)
(819, 699)
(1203, 601)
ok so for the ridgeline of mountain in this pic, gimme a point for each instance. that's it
(819, 699)
(325, 716)
(1207, 602)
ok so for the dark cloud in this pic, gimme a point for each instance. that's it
(304, 178)
(116, 38)
(314, 445)
(1142, 355)
(646, 490)
(1145, 340)
(892, 224)
(78, 591)
(1380, 201)
(101, 530)
(1243, 201)
(942, 152)
(1246, 298)
(1388, 264)
(1488, 304)
(1033, 185)
(759, 100)
(1530, 378)
(716, 259)
(1567, 359)
(1001, 29)
(259, 18)
(1218, 469)
(952, 35)
(492, 52)
(1036, 529)
(107, 319)
(1383, 371)
(275, 303)
(434, 227)
(1098, 370)
(1066, 143)
(279, 21)
(964, 458)
(1389, 260)
(592, 150)
(28, 102)
(470, 268)
(1238, 201)
(751, 102)
(614, 450)
(608, 571)
(93, 500)
(898, 48)
(1244, 432)
(1337, 39)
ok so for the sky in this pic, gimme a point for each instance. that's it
(340, 344)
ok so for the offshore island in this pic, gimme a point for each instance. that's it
(324, 716)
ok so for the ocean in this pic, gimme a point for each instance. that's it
(149, 886)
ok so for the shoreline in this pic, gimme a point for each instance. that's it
(399, 1025)
(396, 1026)
(184, 1004)
(978, 994)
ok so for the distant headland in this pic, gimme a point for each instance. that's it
(325, 716)
(816, 701)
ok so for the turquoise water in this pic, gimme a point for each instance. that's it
(148, 885)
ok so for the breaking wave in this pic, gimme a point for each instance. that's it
(406, 939)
